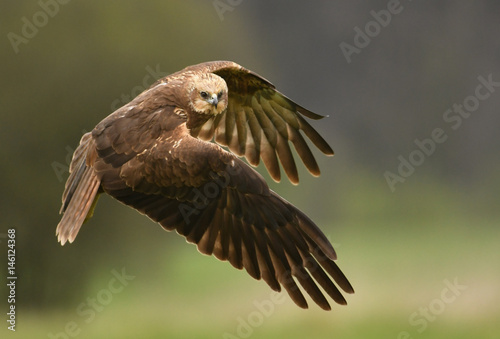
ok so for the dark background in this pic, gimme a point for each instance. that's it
(65, 66)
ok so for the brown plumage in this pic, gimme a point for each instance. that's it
(155, 155)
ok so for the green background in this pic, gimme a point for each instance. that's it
(400, 249)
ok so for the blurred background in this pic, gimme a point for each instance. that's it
(410, 200)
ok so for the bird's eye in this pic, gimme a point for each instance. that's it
(204, 94)
(219, 95)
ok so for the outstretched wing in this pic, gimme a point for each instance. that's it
(260, 121)
(226, 209)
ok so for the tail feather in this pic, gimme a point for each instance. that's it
(80, 194)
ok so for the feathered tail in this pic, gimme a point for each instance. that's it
(80, 192)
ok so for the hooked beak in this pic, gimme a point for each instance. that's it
(213, 100)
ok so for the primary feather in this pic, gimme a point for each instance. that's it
(155, 154)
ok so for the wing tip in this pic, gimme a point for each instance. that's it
(310, 114)
(63, 238)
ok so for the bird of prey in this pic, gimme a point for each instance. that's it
(156, 154)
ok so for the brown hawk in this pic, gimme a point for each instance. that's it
(155, 154)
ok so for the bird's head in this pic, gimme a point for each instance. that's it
(208, 94)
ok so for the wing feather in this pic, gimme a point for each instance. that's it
(268, 155)
(248, 225)
(163, 175)
(257, 110)
(253, 140)
(287, 160)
